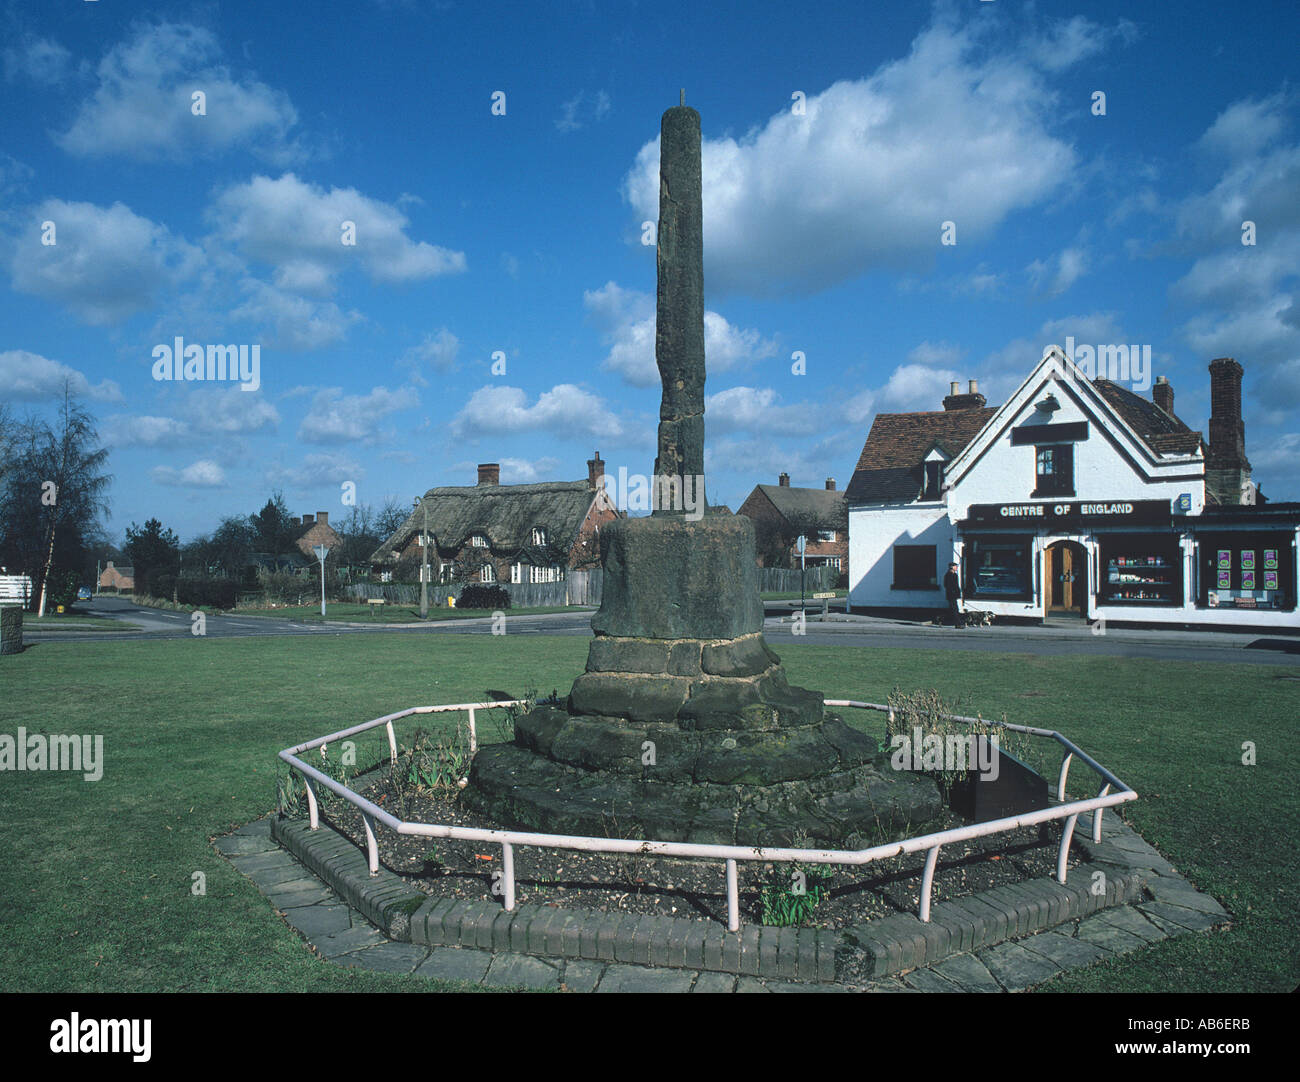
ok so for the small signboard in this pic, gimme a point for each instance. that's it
(321, 551)
(1248, 559)
(1225, 580)
(1225, 559)
(1185, 501)
(1270, 559)
(1248, 580)
(1270, 580)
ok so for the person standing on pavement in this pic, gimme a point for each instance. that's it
(952, 587)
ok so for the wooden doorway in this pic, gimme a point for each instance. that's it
(1067, 578)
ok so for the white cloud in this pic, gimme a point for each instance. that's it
(335, 417)
(142, 105)
(146, 431)
(295, 322)
(626, 320)
(758, 410)
(1246, 127)
(43, 61)
(201, 474)
(228, 411)
(581, 109)
(316, 470)
(298, 228)
(28, 376)
(565, 410)
(868, 175)
(526, 471)
(107, 263)
(437, 351)
(1059, 272)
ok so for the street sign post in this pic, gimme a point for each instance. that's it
(802, 544)
(321, 552)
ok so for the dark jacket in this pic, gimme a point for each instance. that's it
(952, 586)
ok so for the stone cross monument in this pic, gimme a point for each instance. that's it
(684, 726)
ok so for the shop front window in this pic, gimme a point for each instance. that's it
(1246, 571)
(1141, 569)
(998, 569)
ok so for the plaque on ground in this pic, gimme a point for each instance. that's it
(684, 726)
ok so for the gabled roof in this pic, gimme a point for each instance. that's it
(892, 465)
(823, 507)
(505, 514)
(1162, 432)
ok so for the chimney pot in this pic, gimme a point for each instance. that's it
(953, 387)
(322, 518)
(784, 480)
(489, 473)
(1162, 394)
(974, 386)
(830, 484)
(306, 520)
(595, 470)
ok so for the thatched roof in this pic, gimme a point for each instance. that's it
(504, 514)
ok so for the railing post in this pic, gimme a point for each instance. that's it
(733, 899)
(1096, 817)
(313, 811)
(508, 875)
(372, 845)
(1065, 770)
(1064, 853)
(392, 744)
(927, 882)
(473, 734)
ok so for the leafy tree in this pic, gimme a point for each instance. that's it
(151, 548)
(52, 492)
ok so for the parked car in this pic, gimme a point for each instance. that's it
(84, 593)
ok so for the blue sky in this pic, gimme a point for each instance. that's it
(521, 233)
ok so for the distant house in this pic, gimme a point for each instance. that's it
(315, 531)
(117, 578)
(490, 532)
(818, 514)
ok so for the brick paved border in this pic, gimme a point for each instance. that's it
(1124, 896)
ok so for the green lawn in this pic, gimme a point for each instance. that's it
(353, 612)
(95, 885)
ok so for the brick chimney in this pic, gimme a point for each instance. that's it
(595, 471)
(322, 518)
(489, 473)
(1162, 394)
(306, 520)
(783, 481)
(830, 484)
(972, 400)
(1227, 470)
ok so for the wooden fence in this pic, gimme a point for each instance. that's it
(578, 588)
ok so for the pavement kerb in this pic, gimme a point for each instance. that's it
(874, 952)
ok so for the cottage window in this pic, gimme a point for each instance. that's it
(488, 574)
(1054, 470)
(516, 573)
(539, 536)
(479, 541)
(915, 567)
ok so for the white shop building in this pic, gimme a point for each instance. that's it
(1076, 498)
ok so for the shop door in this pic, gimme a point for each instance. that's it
(1067, 578)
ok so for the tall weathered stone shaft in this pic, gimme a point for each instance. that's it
(679, 326)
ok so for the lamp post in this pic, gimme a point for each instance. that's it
(424, 561)
(321, 552)
(803, 544)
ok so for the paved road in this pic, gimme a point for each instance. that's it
(1055, 640)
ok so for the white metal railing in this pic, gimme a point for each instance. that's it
(930, 844)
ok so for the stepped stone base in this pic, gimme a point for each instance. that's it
(684, 726)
